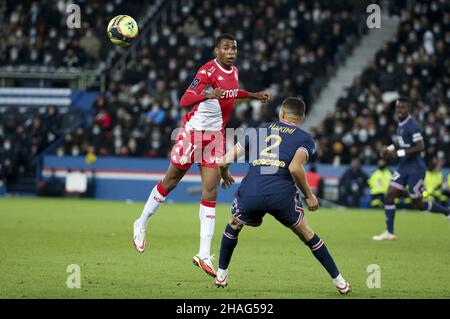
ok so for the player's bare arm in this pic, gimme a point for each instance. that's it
(260, 96)
(393, 151)
(297, 170)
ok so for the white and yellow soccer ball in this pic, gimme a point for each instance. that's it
(122, 30)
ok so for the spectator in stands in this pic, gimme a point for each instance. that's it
(315, 181)
(352, 185)
(413, 63)
(379, 183)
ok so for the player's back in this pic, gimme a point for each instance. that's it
(271, 149)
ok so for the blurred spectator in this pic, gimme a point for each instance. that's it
(379, 183)
(352, 185)
(315, 181)
(434, 182)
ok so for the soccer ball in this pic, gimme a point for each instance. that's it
(122, 30)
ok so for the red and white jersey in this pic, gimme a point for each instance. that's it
(212, 114)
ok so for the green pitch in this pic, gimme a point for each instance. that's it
(39, 238)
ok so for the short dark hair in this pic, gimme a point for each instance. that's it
(224, 37)
(403, 99)
(294, 105)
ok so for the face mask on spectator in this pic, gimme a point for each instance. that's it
(75, 151)
(61, 45)
(146, 101)
(183, 75)
(152, 75)
(60, 152)
(155, 144)
(96, 130)
(207, 23)
(117, 142)
(7, 146)
(117, 132)
(362, 135)
(156, 135)
(109, 7)
(382, 121)
(428, 130)
(368, 152)
(446, 138)
(447, 121)
(172, 41)
(338, 130)
(174, 114)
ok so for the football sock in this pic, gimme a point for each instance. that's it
(156, 197)
(320, 251)
(389, 212)
(339, 281)
(436, 208)
(229, 241)
(207, 216)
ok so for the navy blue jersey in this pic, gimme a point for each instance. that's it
(408, 133)
(271, 150)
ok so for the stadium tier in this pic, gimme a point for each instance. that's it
(294, 50)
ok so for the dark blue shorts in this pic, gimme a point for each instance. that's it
(413, 180)
(250, 210)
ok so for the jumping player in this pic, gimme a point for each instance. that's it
(282, 149)
(408, 146)
(212, 94)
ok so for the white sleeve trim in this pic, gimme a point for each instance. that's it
(417, 137)
(304, 150)
(192, 91)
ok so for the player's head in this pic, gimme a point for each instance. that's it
(402, 108)
(226, 49)
(292, 109)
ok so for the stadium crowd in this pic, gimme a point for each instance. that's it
(35, 32)
(26, 132)
(415, 63)
(291, 51)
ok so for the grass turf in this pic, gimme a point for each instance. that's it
(39, 238)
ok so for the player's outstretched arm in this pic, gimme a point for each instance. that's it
(297, 170)
(261, 96)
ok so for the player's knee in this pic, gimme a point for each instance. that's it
(236, 225)
(305, 233)
(209, 193)
(418, 205)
